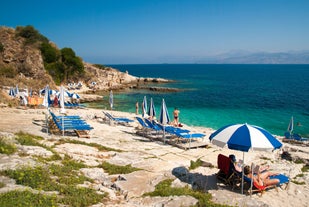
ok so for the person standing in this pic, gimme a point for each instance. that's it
(176, 116)
(136, 108)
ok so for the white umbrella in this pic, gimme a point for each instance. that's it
(151, 110)
(61, 99)
(144, 106)
(16, 90)
(244, 137)
(46, 99)
(291, 125)
(164, 117)
(111, 99)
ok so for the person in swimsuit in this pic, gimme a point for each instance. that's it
(176, 117)
(262, 179)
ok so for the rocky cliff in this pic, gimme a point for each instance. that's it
(23, 64)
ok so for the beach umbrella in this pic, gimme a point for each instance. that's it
(151, 110)
(75, 96)
(291, 125)
(144, 106)
(16, 90)
(244, 137)
(164, 117)
(111, 99)
(11, 92)
(61, 99)
(46, 100)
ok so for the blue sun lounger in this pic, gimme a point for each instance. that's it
(117, 119)
(71, 123)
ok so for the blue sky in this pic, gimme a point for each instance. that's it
(163, 31)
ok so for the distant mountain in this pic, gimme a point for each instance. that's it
(243, 57)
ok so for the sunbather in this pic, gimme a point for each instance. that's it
(263, 179)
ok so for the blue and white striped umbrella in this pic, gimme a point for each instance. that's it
(75, 96)
(144, 105)
(151, 110)
(244, 137)
(164, 117)
(11, 92)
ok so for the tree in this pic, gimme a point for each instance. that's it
(73, 64)
(50, 54)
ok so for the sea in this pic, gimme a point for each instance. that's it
(215, 95)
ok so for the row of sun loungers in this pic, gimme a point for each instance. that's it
(71, 123)
(152, 129)
(231, 177)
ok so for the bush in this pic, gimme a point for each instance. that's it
(26, 198)
(7, 71)
(49, 53)
(6, 148)
(1, 47)
(30, 34)
(116, 169)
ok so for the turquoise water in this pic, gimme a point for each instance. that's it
(217, 95)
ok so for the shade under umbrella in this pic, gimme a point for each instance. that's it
(151, 110)
(164, 117)
(144, 106)
(244, 137)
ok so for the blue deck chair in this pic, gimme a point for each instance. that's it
(71, 123)
(117, 119)
(295, 137)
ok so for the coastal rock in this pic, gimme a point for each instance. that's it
(36, 151)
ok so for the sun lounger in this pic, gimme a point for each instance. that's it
(261, 189)
(295, 137)
(71, 123)
(117, 119)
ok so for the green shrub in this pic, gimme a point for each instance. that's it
(117, 169)
(30, 34)
(49, 53)
(196, 164)
(37, 178)
(2, 184)
(28, 139)
(6, 148)
(164, 189)
(99, 147)
(20, 198)
(7, 71)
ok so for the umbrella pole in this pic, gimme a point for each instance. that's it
(164, 133)
(46, 118)
(242, 174)
(62, 126)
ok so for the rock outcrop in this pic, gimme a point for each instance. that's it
(26, 61)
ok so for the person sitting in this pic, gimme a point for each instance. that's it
(235, 165)
(263, 179)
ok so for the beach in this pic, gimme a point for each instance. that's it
(157, 160)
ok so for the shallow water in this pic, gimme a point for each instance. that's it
(217, 95)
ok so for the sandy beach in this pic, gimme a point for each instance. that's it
(157, 160)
